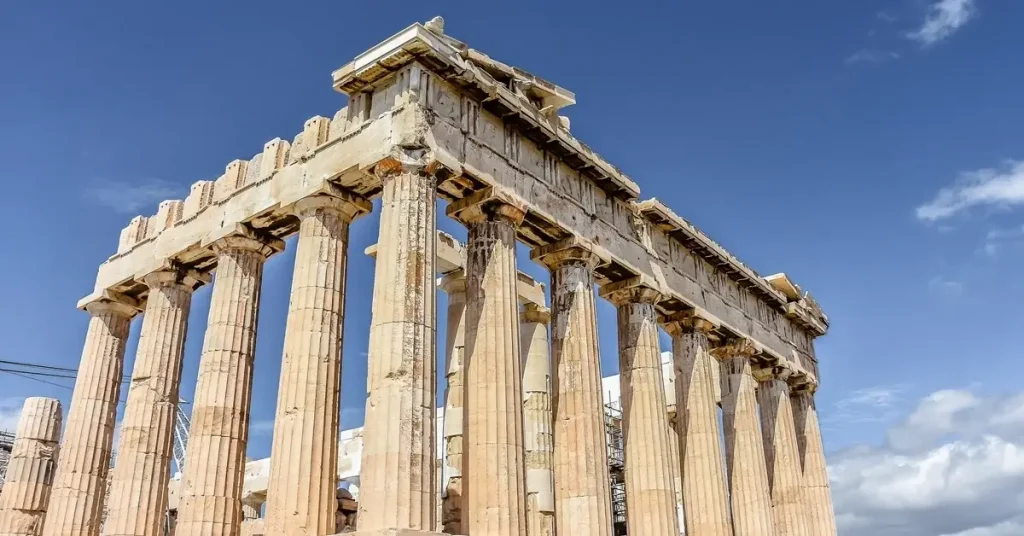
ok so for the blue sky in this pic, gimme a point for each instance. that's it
(870, 149)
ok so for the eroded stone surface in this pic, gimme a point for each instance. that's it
(398, 484)
(705, 501)
(454, 285)
(304, 455)
(137, 502)
(26, 490)
(583, 503)
(538, 435)
(744, 449)
(650, 490)
(818, 497)
(76, 500)
(211, 490)
(782, 459)
(494, 493)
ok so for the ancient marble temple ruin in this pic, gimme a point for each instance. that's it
(429, 117)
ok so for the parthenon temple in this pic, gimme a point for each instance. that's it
(521, 443)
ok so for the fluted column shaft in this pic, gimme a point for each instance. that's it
(398, 483)
(705, 501)
(137, 503)
(26, 490)
(744, 449)
(650, 491)
(817, 496)
(304, 454)
(211, 485)
(495, 490)
(781, 455)
(454, 285)
(583, 503)
(80, 483)
(538, 433)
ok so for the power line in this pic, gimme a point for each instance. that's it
(34, 373)
(28, 377)
(124, 377)
(34, 365)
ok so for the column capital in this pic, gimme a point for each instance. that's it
(692, 321)
(243, 237)
(173, 274)
(740, 347)
(409, 161)
(333, 197)
(571, 250)
(490, 204)
(803, 383)
(535, 313)
(110, 301)
(453, 283)
(639, 289)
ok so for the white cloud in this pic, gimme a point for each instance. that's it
(995, 187)
(953, 467)
(945, 287)
(944, 18)
(130, 198)
(872, 404)
(867, 55)
(999, 239)
(885, 16)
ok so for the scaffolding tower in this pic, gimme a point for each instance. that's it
(616, 466)
(6, 445)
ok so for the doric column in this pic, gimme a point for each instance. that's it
(454, 284)
(650, 492)
(818, 497)
(211, 484)
(494, 494)
(304, 454)
(782, 457)
(137, 503)
(398, 483)
(705, 502)
(26, 490)
(80, 483)
(583, 505)
(538, 436)
(744, 449)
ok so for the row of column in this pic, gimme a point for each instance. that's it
(506, 493)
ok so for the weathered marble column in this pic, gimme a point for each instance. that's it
(538, 434)
(650, 491)
(782, 457)
(817, 496)
(26, 490)
(398, 473)
(80, 483)
(211, 484)
(137, 503)
(304, 454)
(744, 449)
(454, 284)
(494, 494)
(583, 505)
(705, 501)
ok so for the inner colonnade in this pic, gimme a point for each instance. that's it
(428, 117)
